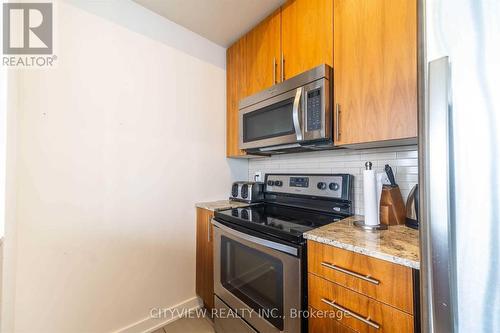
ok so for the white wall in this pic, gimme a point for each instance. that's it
(113, 148)
(403, 161)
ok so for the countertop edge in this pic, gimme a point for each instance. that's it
(217, 205)
(370, 253)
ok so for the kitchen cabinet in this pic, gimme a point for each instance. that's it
(293, 39)
(235, 90)
(392, 279)
(318, 324)
(372, 46)
(204, 257)
(307, 35)
(262, 54)
(357, 311)
(375, 70)
(375, 293)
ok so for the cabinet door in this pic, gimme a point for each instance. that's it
(375, 70)
(204, 257)
(262, 54)
(236, 89)
(307, 35)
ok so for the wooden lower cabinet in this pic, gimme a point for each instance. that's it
(318, 323)
(348, 304)
(391, 283)
(366, 294)
(204, 257)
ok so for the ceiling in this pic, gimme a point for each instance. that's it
(221, 21)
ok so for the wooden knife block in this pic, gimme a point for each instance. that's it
(392, 207)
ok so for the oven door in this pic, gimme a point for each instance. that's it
(259, 279)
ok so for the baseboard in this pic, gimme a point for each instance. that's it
(173, 313)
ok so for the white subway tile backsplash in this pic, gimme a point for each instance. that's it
(378, 156)
(404, 161)
(408, 154)
(407, 170)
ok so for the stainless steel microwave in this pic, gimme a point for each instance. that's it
(291, 116)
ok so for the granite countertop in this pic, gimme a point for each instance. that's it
(220, 205)
(397, 244)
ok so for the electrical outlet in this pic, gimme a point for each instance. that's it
(258, 176)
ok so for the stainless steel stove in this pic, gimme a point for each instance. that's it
(260, 253)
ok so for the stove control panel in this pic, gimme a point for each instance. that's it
(336, 186)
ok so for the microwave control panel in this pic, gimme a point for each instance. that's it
(314, 110)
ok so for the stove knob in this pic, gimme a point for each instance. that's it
(334, 186)
(278, 183)
(321, 186)
(270, 182)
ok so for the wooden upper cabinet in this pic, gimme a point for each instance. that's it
(307, 35)
(235, 90)
(262, 54)
(375, 70)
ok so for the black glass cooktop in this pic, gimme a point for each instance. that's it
(286, 223)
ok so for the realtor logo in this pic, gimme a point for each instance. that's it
(28, 30)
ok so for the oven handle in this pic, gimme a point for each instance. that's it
(264, 242)
(295, 114)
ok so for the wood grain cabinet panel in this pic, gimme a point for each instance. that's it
(262, 56)
(395, 284)
(235, 90)
(307, 35)
(318, 323)
(352, 307)
(204, 257)
(375, 69)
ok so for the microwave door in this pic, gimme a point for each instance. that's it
(275, 121)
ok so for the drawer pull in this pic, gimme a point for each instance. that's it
(346, 271)
(366, 320)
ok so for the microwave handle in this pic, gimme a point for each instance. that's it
(295, 114)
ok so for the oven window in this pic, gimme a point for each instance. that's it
(272, 121)
(254, 277)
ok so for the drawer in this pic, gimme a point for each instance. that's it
(326, 325)
(359, 312)
(386, 282)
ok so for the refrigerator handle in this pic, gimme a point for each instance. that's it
(436, 233)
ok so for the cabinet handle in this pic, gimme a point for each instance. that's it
(337, 122)
(348, 272)
(208, 226)
(351, 313)
(282, 67)
(275, 67)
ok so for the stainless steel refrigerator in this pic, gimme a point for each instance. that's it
(459, 151)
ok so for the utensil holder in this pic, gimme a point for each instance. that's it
(392, 207)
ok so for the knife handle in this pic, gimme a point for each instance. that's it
(390, 174)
